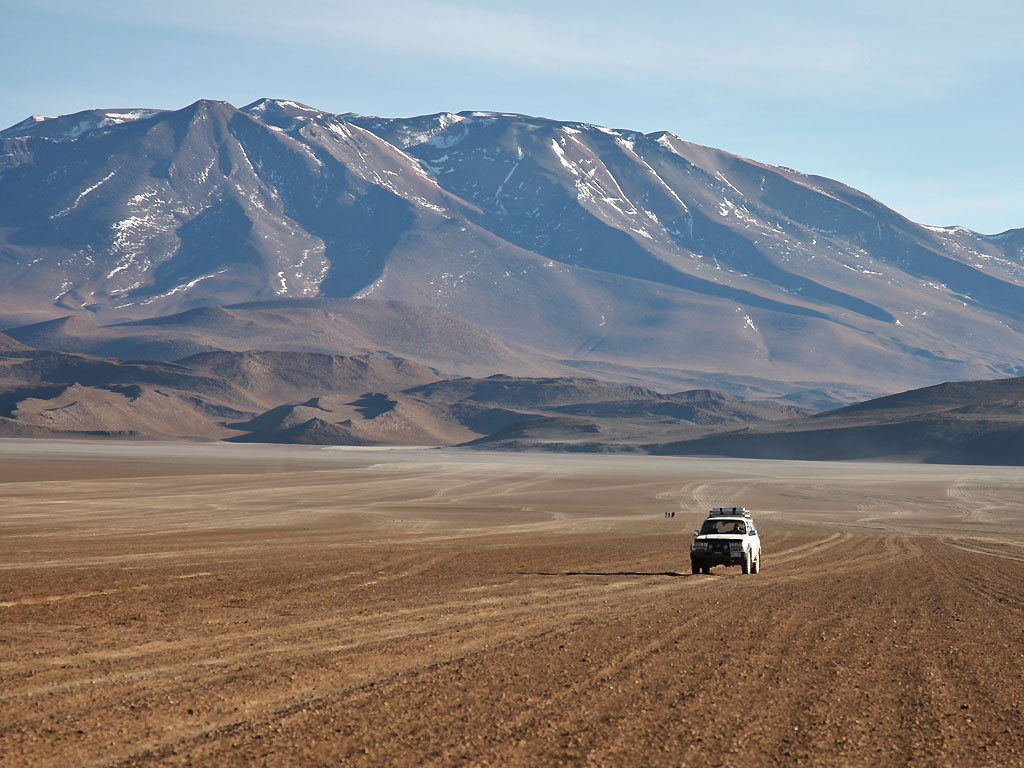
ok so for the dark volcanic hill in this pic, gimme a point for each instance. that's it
(46, 393)
(509, 413)
(970, 422)
(7, 344)
(282, 376)
(1002, 397)
(633, 257)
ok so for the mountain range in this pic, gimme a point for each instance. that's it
(517, 245)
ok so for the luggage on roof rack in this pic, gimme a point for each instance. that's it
(729, 511)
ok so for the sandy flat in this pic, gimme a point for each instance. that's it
(184, 604)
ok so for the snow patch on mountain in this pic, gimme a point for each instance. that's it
(82, 194)
(446, 139)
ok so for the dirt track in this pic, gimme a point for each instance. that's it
(242, 605)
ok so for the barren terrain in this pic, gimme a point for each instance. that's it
(207, 604)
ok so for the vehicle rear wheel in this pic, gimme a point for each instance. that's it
(705, 569)
(755, 565)
(694, 567)
(746, 563)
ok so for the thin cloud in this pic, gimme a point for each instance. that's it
(898, 50)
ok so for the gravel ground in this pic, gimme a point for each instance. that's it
(180, 605)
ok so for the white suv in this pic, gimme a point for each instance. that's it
(728, 537)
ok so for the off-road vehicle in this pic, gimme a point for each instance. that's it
(728, 537)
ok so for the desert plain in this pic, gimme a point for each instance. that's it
(181, 604)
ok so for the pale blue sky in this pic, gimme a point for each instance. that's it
(920, 104)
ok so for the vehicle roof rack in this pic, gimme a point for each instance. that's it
(729, 511)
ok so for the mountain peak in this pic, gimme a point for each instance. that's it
(208, 107)
(209, 104)
(265, 106)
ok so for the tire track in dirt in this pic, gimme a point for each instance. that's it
(275, 710)
(298, 641)
(992, 578)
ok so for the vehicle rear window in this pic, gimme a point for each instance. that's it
(724, 526)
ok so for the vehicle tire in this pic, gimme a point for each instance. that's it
(755, 565)
(694, 567)
(746, 563)
(705, 569)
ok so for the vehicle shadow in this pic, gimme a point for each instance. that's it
(604, 573)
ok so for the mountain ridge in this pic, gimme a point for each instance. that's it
(317, 398)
